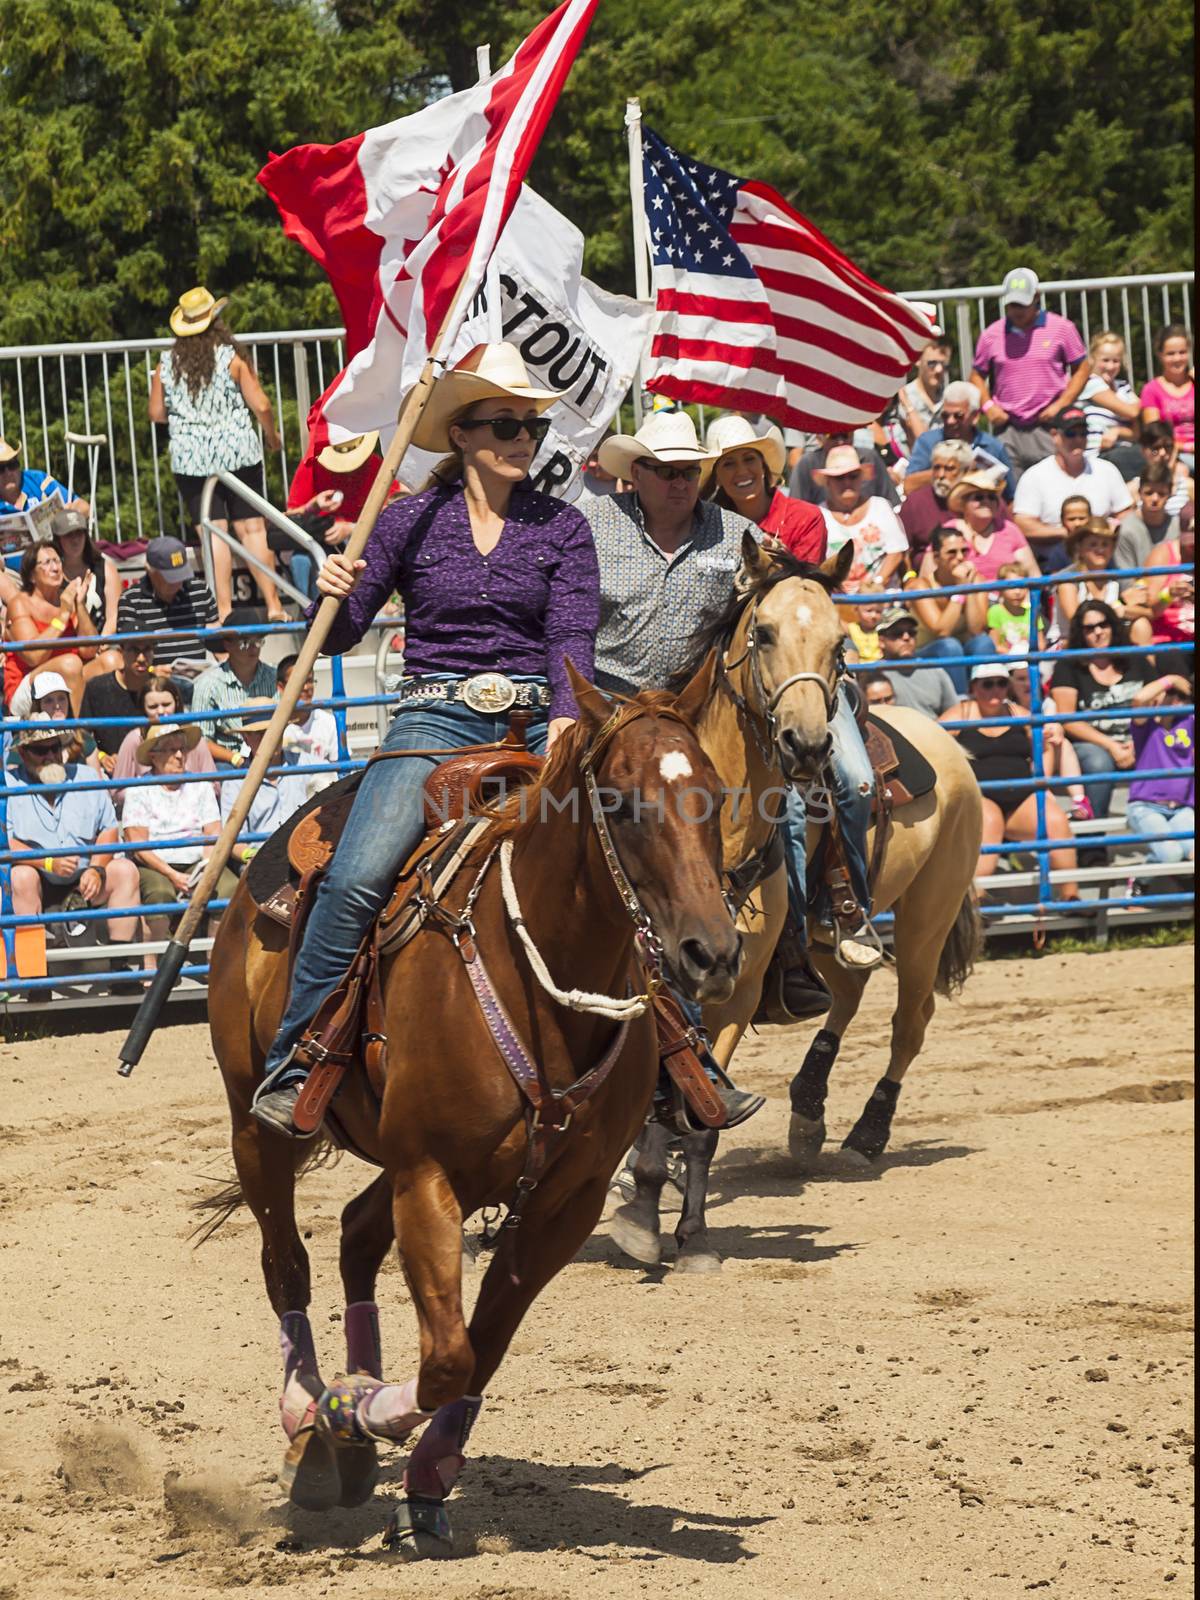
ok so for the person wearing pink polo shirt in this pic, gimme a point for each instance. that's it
(1029, 365)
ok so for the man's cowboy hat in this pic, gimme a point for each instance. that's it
(257, 713)
(196, 311)
(43, 734)
(189, 732)
(735, 433)
(975, 482)
(668, 436)
(489, 372)
(843, 461)
(8, 452)
(349, 455)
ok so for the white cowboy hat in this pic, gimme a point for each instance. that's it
(257, 720)
(668, 436)
(489, 372)
(8, 452)
(735, 433)
(196, 311)
(350, 454)
(189, 732)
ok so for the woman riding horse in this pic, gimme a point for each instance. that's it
(499, 584)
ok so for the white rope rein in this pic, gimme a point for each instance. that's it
(600, 1005)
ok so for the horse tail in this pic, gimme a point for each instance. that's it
(219, 1205)
(962, 948)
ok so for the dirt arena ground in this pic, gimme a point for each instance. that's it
(967, 1376)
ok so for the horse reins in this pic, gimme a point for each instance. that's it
(768, 703)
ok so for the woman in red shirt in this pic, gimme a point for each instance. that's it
(745, 478)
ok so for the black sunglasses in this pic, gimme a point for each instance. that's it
(991, 683)
(1073, 433)
(900, 630)
(1094, 627)
(668, 473)
(45, 748)
(509, 428)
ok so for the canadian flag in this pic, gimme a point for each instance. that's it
(404, 215)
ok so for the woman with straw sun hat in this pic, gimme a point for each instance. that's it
(745, 476)
(500, 585)
(207, 393)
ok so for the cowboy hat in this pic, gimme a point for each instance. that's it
(189, 732)
(8, 452)
(668, 436)
(196, 311)
(350, 454)
(488, 372)
(843, 461)
(735, 433)
(1093, 528)
(975, 482)
(257, 713)
(42, 734)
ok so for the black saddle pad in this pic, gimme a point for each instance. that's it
(270, 868)
(915, 772)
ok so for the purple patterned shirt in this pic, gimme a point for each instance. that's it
(521, 609)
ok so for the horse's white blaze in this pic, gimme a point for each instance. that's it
(674, 765)
(804, 614)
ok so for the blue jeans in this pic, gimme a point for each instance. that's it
(853, 791)
(955, 655)
(1145, 817)
(304, 572)
(385, 824)
(1093, 759)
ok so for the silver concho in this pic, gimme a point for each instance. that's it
(489, 692)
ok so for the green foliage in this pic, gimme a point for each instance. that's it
(934, 142)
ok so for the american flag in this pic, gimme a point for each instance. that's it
(757, 311)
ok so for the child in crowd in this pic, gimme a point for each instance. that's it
(312, 733)
(1075, 514)
(1008, 619)
(1166, 806)
(1150, 524)
(862, 626)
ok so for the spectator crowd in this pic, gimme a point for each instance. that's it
(1045, 462)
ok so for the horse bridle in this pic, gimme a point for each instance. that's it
(765, 712)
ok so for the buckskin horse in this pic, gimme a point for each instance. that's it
(496, 1084)
(767, 723)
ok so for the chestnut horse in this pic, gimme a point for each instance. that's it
(767, 724)
(451, 1136)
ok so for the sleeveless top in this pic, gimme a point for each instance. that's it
(1176, 623)
(215, 431)
(1007, 754)
(15, 668)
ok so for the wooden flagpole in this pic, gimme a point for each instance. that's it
(174, 956)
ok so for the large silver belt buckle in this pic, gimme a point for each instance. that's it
(489, 692)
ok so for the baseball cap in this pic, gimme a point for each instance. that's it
(1020, 287)
(1069, 414)
(893, 615)
(44, 683)
(170, 557)
(989, 669)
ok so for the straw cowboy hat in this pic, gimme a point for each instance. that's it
(257, 713)
(8, 452)
(843, 461)
(43, 734)
(350, 454)
(489, 372)
(189, 732)
(196, 311)
(975, 482)
(668, 436)
(1093, 528)
(735, 433)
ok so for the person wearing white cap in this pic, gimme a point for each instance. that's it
(500, 586)
(745, 477)
(46, 694)
(1029, 365)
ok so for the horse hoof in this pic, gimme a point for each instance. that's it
(419, 1530)
(805, 1138)
(698, 1262)
(854, 1155)
(359, 1468)
(634, 1239)
(310, 1472)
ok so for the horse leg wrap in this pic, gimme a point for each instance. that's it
(811, 1083)
(301, 1380)
(438, 1458)
(364, 1352)
(391, 1411)
(870, 1134)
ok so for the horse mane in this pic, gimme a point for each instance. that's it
(752, 586)
(560, 772)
